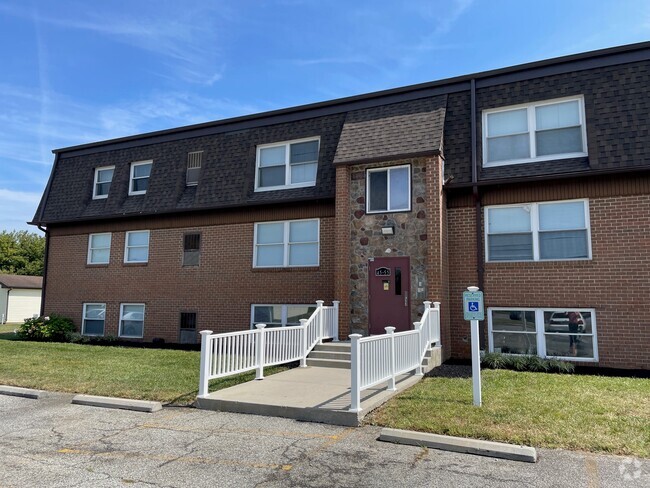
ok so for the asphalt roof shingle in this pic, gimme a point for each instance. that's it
(21, 281)
(396, 130)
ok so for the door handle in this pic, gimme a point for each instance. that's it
(406, 298)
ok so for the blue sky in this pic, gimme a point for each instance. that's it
(76, 71)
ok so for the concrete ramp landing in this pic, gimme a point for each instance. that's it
(311, 394)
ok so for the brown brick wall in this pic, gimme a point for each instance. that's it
(221, 290)
(614, 282)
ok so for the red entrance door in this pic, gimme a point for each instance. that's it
(388, 294)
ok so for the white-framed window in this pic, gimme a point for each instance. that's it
(541, 131)
(99, 248)
(102, 182)
(136, 246)
(193, 168)
(388, 189)
(564, 333)
(132, 320)
(290, 164)
(139, 181)
(274, 315)
(545, 231)
(94, 318)
(286, 244)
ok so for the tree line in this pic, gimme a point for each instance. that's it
(21, 253)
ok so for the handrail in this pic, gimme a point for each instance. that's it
(237, 352)
(379, 359)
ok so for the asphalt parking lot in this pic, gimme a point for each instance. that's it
(51, 443)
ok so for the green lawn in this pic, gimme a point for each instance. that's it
(591, 413)
(149, 374)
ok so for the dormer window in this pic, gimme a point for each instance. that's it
(102, 183)
(540, 131)
(193, 168)
(291, 164)
(139, 182)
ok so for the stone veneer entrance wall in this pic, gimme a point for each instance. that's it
(366, 240)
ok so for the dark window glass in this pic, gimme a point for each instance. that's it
(188, 320)
(398, 281)
(378, 181)
(191, 249)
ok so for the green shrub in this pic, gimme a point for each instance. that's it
(495, 360)
(52, 328)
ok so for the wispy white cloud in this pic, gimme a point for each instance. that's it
(17, 208)
(187, 37)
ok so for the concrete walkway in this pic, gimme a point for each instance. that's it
(313, 394)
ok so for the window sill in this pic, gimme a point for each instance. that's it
(380, 212)
(285, 270)
(135, 264)
(543, 261)
(285, 187)
(97, 265)
(551, 157)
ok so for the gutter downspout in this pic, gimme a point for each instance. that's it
(47, 251)
(46, 194)
(477, 202)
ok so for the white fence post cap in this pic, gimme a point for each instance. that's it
(260, 326)
(390, 330)
(472, 288)
(205, 332)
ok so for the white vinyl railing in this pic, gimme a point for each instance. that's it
(237, 352)
(379, 359)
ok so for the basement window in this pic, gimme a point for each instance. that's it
(280, 315)
(94, 317)
(546, 332)
(188, 328)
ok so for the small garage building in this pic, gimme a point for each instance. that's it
(20, 297)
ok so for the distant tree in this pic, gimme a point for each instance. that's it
(21, 253)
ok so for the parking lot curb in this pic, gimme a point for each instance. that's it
(118, 403)
(460, 444)
(21, 392)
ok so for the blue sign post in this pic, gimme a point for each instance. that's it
(473, 311)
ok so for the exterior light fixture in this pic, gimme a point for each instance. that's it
(388, 230)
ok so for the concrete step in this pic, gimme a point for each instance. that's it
(333, 347)
(344, 356)
(328, 363)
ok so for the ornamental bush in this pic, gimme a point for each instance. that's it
(52, 328)
(495, 360)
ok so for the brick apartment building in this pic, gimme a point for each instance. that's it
(531, 182)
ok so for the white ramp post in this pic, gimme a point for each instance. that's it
(303, 338)
(206, 361)
(429, 322)
(391, 334)
(321, 322)
(418, 326)
(336, 320)
(355, 369)
(261, 346)
(436, 326)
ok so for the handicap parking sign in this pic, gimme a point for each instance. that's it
(473, 305)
